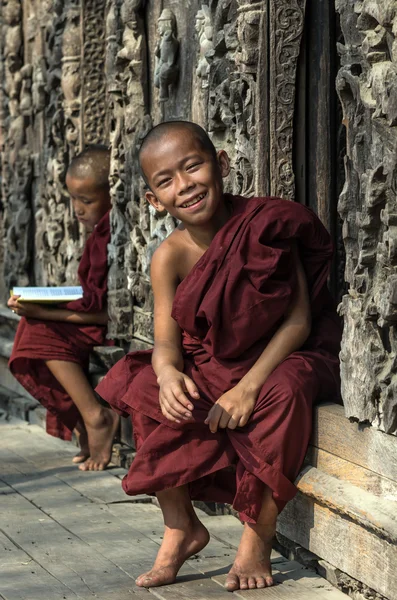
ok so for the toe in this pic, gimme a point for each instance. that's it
(243, 583)
(139, 579)
(232, 582)
(260, 582)
(251, 583)
(269, 581)
(83, 467)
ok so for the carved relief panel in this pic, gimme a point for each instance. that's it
(54, 102)
(197, 61)
(367, 89)
(82, 71)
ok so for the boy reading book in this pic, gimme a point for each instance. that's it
(246, 341)
(52, 344)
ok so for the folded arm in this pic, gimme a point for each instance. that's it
(32, 310)
(234, 408)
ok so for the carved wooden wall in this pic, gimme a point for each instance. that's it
(53, 102)
(367, 85)
(80, 71)
(214, 63)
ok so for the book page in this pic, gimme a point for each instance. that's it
(48, 294)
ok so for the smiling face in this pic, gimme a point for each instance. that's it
(184, 178)
(90, 202)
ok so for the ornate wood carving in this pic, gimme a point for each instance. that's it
(93, 69)
(93, 72)
(286, 27)
(166, 52)
(16, 160)
(129, 287)
(367, 89)
(54, 95)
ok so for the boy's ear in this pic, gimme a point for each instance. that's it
(151, 198)
(223, 162)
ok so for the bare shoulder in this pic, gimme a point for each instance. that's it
(167, 256)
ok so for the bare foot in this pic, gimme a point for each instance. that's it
(252, 567)
(178, 545)
(82, 438)
(101, 431)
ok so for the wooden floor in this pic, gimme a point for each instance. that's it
(65, 534)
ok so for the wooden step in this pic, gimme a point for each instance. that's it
(376, 515)
(346, 509)
(348, 526)
(361, 445)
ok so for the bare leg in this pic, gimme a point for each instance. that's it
(252, 567)
(82, 438)
(101, 423)
(184, 535)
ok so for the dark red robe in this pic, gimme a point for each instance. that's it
(37, 341)
(228, 308)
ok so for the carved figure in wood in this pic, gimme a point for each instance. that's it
(25, 104)
(39, 86)
(205, 36)
(166, 53)
(132, 38)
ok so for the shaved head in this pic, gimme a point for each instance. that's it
(92, 163)
(161, 131)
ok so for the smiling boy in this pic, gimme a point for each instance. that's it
(246, 340)
(52, 344)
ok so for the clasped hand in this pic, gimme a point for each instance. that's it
(233, 409)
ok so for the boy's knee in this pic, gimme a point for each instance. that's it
(146, 377)
(291, 394)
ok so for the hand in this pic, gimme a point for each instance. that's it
(25, 309)
(232, 410)
(174, 403)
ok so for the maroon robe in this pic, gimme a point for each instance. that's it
(37, 341)
(228, 308)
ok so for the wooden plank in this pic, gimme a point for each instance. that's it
(92, 523)
(22, 578)
(375, 514)
(37, 444)
(287, 590)
(343, 543)
(100, 486)
(290, 570)
(128, 548)
(293, 580)
(347, 471)
(64, 555)
(191, 589)
(363, 446)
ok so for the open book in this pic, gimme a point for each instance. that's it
(48, 294)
